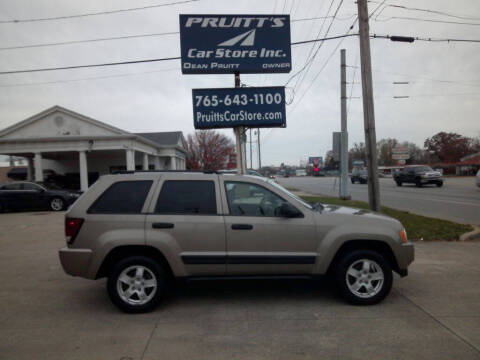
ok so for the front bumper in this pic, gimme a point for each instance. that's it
(75, 262)
(405, 256)
(431, 180)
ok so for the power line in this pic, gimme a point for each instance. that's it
(16, 21)
(437, 12)
(87, 78)
(89, 66)
(61, 43)
(424, 20)
(87, 41)
(309, 53)
(428, 39)
(342, 37)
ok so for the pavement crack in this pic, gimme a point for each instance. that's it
(150, 338)
(451, 331)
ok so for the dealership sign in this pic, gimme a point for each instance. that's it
(230, 107)
(315, 160)
(219, 44)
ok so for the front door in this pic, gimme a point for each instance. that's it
(259, 239)
(186, 220)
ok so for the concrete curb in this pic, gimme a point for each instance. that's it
(472, 235)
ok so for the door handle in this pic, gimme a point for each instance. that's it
(242, 227)
(159, 225)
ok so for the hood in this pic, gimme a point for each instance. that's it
(360, 215)
(432, 174)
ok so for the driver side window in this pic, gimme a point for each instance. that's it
(245, 199)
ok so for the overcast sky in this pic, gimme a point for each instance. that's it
(157, 97)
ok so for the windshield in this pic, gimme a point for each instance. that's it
(424, 169)
(51, 186)
(288, 193)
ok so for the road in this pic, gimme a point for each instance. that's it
(458, 200)
(434, 313)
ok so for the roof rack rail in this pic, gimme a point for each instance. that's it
(121, 172)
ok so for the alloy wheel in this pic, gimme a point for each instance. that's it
(365, 278)
(136, 285)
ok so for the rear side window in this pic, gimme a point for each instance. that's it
(12, 187)
(124, 197)
(187, 197)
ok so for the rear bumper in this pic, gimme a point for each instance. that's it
(75, 262)
(405, 256)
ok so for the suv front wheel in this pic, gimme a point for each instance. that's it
(137, 284)
(363, 277)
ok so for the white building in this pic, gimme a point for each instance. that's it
(66, 142)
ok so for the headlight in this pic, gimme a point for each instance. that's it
(403, 236)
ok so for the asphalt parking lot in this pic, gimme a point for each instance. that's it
(458, 200)
(434, 313)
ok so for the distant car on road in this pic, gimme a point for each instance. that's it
(478, 178)
(419, 175)
(25, 195)
(359, 175)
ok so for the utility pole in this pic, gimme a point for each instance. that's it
(259, 154)
(251, 163)
(239, 134)
(368, 110)
(344, 193)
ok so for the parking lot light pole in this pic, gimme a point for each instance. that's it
(368, 109)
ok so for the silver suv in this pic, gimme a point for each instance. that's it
(144, 229)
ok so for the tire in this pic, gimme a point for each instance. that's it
(56, 204)
(354, 261)
(399, 183)
(2, 208)
(127, 269)
(353, 182)
(439, 184)
(418, 183)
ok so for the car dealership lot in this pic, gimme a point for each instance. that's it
(458, 200)
(432, 313)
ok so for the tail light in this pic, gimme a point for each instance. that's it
(72, 227)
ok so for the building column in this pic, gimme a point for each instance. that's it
(145, 161)
(30, 169)
(173, 165)
(156, 162)
(130, 159)
(83, 170)
(38, 167)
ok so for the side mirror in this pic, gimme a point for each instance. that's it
(289, 211)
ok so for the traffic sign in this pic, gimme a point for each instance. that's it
(400, 150)
(230, 107)
(400, 156)
(220, 44)
(358, 163)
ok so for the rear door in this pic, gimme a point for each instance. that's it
(186, 223)
(11, 196)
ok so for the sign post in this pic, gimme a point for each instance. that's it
(234, 44)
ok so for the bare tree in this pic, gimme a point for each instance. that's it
(209, 150)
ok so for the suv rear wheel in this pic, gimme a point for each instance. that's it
(363, 277)
(137, 284)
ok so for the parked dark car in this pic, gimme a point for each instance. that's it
(419, 175)
(23, 195)
(359, 175)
